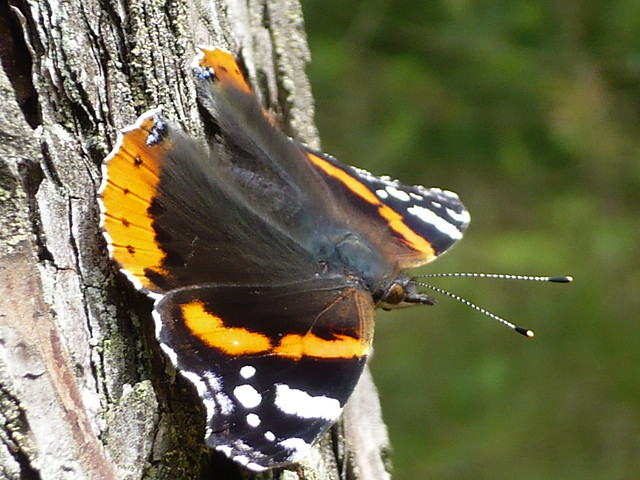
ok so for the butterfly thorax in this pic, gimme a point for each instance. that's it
(352, 256)
(349, 254)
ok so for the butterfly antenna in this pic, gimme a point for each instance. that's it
(560, 279)
(523, 331)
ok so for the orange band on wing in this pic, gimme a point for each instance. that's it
(132, 173)
(394, 219)
(310, 345)
(210, 329)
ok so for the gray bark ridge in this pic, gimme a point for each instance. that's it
(85, 392)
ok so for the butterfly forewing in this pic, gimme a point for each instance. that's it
(411, 224)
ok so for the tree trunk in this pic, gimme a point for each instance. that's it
(85, 392)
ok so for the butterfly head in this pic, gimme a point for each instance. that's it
(403, 293)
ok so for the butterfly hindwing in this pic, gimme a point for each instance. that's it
(274, 364)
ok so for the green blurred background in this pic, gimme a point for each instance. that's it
(530, 110)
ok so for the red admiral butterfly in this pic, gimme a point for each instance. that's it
(266, 261)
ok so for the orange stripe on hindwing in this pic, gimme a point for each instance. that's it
(211, 330)
(130, 177)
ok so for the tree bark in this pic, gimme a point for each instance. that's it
(85, 392)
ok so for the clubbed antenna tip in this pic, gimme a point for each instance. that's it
(525, 331)
(565, 279)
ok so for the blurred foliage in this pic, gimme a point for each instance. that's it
(530, 110)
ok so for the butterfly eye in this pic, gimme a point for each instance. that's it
(402, 294)
(394, 295)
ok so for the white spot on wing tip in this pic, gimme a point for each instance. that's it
(450, 195)
(436, 221)
(396, 193)
(462, 217)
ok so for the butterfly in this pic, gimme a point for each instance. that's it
(265, 260)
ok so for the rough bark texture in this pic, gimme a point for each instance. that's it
(85, 392)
